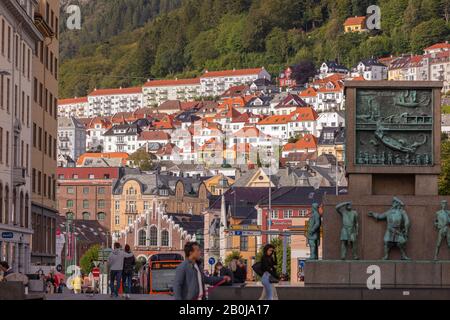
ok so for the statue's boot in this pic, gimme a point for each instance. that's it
(403, 254)
(343, 250)
(355, 251)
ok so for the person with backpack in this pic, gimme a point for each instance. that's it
(115, 265)
(127, 273)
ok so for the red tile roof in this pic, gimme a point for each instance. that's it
(153, 135)
(117, 91)
(355, 21)
(72, 100)
(172, 82)
(442, 45)
(231, 73)
(107, 155)
(307, 142)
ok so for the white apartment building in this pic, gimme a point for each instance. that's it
(18, 36)
(330, 119)
(107, 102)
(214, 83)
(71, 138)
(122, 138)
(73, 107)
(156, 92)
(331, 67)
(371, 69)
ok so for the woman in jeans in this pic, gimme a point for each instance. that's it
(268, 263)
(127, 273)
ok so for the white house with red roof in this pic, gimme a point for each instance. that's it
(215, 83)
(73, 107)
(158, 91)
(95, 130)
(289, 104)
(106, 102)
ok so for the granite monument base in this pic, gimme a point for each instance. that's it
(393, 273)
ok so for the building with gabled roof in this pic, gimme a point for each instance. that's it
(355, 24)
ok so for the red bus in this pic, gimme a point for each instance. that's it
(161, 272)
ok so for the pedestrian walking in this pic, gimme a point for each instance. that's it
(127, 274)
(190, 281)
(270, 276)
(115, 265)
(76, 284)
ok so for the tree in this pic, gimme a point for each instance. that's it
(86, 261)
(141, 159)
(427, 33)
(232, 255)
(444, 179)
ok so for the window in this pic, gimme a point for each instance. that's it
(274, 214)
(244, 243)
(70, 190)
(86, 215)
(91, 176)
(101, 204)
(117, 205)
(130, 219)
(69, 204)
(85, 204)
(165, 238)
(101, 216)
(287, 214)
(146, 205)
(101, 190)
(303, 213)
(85, 190)
(142, 238)
(153, 236)
(117, 219)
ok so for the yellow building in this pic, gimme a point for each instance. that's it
(355, 24)
(218, 184)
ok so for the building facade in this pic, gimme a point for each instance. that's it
(73, 107)
(18, 38)
(71, 137)
(158, 91)
(107, 102)
(85, 193)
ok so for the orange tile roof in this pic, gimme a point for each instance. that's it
(154, 135)
(72, 100)
(276, 119)
(352, 21)
(172, 82)
(231, 73)
(309, 92)
(442, 45)
(107, 155)
(248, 132)
(304, 114)
(117, 91)
(308, 141)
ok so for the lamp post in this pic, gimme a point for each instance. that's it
(68, 239)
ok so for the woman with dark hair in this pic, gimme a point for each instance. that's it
(220, 271)
(268, 264)
(127, 273)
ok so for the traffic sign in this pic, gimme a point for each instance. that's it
(59, 268)
(7, 235)
(245, 233)
(212, 261)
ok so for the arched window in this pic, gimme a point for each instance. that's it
(22, 213)
(142, 238)
(1, 203)
(153, 236)
(27, 211)
(165, 238)
(6, 205)
(14, 207)
(86, 215)
(101, 216)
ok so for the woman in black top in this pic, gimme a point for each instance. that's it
(268, 266)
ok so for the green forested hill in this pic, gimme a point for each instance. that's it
(125, 46)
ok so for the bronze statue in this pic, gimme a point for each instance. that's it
(442, 221)
(313, 233)
(397, 228)
(349, 231)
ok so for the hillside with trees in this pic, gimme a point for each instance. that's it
(130, 41)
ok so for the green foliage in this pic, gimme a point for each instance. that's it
(278, 244)
(142, 160)
(86, 261)
(231, 256)
(125, 42)
(444, 179)
(445, 109)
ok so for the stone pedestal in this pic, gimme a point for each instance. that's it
(394, 273)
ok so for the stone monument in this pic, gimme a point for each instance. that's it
(393, 132)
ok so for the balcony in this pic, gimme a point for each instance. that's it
(19, 176)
